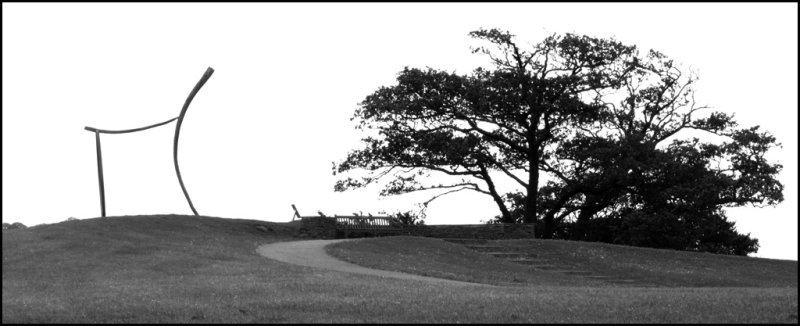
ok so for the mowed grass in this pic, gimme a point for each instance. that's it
(186, 269)
(438, 258)
(665, 267)
(669, 268)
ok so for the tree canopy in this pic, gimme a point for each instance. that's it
(588, 129)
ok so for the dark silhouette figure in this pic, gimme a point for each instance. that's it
(97, 133)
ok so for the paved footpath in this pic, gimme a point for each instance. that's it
(312, 253)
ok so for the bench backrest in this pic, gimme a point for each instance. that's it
(366, 222)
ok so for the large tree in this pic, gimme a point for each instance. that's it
(634, 169)
(504, 120)
(601, 121)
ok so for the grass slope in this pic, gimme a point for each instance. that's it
(437, 258)
(186, 269)
(670, 268)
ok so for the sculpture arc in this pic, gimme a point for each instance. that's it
(179, 118)
(189, 99)
(129, 130)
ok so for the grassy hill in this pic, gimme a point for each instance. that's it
(656, 267)
(183, 269)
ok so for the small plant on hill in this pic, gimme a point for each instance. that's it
(15, 225)
(407, 217)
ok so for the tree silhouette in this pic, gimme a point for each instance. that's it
(599, 121)
(503, 120)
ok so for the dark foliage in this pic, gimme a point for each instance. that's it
(599, 121)
(712, 233)
(13, 226)
(409, 218)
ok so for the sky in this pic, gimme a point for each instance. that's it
(263, 132)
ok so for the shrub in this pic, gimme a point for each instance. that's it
(15, 225)
(409, 218)
(707, 232)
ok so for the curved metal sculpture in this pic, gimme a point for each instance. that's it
(179, 118)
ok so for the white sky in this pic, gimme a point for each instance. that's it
(263, 131)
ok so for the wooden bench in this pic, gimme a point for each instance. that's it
(367, 224)
(345, 224)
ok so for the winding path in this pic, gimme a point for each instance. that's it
(311, 253)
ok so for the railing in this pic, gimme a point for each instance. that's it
(347, 223)
(366, 222)
(370, 224)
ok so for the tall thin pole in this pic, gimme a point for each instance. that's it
(100, 174)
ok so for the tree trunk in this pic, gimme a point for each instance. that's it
(550, 212)
(506, 215)
(533, 189)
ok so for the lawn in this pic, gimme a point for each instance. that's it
(666, 268)
(186, 269)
